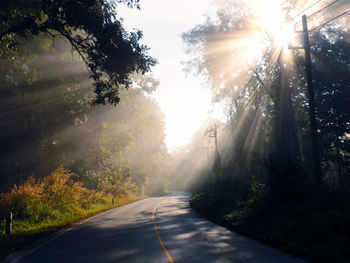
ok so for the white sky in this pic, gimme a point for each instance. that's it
(181, 98)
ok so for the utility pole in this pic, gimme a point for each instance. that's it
(216, 139)
(312, 114)
(311, 99)
(215, 135)
(207, 148)
(217, 159)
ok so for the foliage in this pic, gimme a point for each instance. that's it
(192, 165)
(119, 189)
(332, 84)
(266, 104)
(41, 207)
(50, 198)
(44, 93)
(128, 145)
(266, 190)
(308, 229)
(93, 31)
(288, 179)
(46, 115)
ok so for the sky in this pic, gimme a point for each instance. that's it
(181, 97)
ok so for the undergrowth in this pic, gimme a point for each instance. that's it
(40, 207)
(314, 226)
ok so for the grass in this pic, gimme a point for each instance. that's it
(317, 229)
(41, 207)
(25, 232)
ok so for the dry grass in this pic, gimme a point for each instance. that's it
(41, 207)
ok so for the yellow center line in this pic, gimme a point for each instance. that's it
(171, 260)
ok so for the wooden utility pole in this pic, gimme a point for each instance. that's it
(215, 135)
(312, 114)
(207, 148)
(217, 159)
(216, 139)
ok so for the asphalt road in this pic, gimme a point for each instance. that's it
(160, 229)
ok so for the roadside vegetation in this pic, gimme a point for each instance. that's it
(258, 179)
(40, 207)
(314, 226)
(75, 93)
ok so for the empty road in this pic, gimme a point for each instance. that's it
(159, 229)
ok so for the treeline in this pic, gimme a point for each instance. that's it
(266, 188)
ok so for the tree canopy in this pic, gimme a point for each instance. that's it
(110, 53)
(262, 85)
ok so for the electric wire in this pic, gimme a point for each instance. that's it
(330, 20)
(318, 11)
(256, 88)
(323, 8)
(302, 12)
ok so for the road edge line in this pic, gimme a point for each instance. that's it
(171, 260)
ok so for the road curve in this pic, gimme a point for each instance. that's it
(159, 229)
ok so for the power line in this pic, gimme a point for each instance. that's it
(330, 20)
(322, 9)
(301, 12)
(257, 67)
(318, 11)
(250, 98)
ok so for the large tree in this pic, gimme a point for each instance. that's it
(265, 89)
(91, 27)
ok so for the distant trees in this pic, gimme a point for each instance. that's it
(193, 164)
(127, 144)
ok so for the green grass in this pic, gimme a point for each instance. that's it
(317, 229)
(26, 232)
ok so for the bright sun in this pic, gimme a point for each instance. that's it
(272, 20)
(285, 35)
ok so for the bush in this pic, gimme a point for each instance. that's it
(288, 179)
(23, 201)
(50, 198)
(118, 189)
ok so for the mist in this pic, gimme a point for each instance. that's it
(48, 120)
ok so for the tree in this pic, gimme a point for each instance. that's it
(332, 82)
(91, 27)
(44, 92)
(264, 91)
(128, 142)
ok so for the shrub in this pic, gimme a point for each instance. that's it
(50, 198)
(23, 201)
(288, 179)
(119, 189)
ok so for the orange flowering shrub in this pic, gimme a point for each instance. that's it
(57, 195)
(23, 200)
(124, 189)
(51, 197)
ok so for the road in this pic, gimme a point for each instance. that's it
(159, 229)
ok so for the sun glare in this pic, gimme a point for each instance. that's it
(272, 21)
(286, 35)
